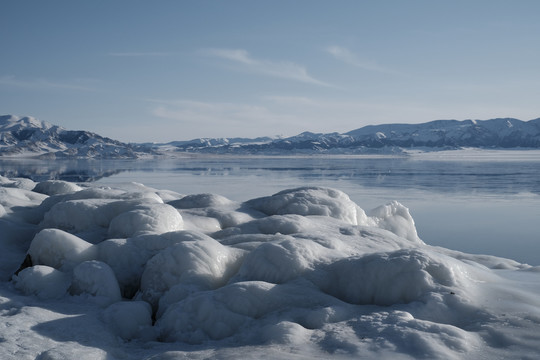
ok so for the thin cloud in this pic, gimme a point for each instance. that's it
(291, 100)
(351, 58)
(41, 84)
(137, 54)
(281, 69)
(216, 119)
(190, 111)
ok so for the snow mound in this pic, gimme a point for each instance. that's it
(19, 183)
(221, 314)
(96, 279)
(200, 201)
(155, 218)
(56, 187)
(128, 257)
(395, 218)
(385, 279)
(94, 216)
(42, 281)
(187, 267)
(59, 249)
(129, 320)
(311, 201)
(304, 271)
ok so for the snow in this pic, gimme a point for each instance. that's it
(133, 272)
(56, 187)
(59, 249)
(129, 319)
(43, 281)
(97, 279)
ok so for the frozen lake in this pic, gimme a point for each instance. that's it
(477, 205)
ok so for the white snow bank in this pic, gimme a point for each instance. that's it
(42, 281)
(302, 273)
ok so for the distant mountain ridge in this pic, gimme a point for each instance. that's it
(27, 136)
(389, 138)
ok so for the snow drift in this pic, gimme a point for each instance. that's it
(304, 271)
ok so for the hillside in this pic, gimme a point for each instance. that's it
(27, 136)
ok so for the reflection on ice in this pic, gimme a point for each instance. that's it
(436, 175)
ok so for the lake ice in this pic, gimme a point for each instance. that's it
(122, 270)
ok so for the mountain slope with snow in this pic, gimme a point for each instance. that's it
(27, 136)
(436, 135)
(31, 137)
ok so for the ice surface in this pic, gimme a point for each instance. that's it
(139, 273)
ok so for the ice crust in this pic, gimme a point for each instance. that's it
(305, 267)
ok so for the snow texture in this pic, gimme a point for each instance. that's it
(139, 273)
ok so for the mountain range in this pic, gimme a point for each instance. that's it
(27, 136)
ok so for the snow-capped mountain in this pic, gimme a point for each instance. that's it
(499, 133)
(439, 134)
(31, 137)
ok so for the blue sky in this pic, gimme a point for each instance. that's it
(175, 70)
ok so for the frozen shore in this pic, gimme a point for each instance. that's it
(133, 272)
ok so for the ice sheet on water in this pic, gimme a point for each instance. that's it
(304, 269)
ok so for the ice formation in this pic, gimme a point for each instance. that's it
(302, 273)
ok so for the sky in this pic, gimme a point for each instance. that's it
(168, 70)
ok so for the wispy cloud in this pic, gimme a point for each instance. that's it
(347, 56)
(42, 84)
(138, 54)
(291, 100)
(216, 115)
(281, 69)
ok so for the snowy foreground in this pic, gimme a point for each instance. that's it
(139, 273)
